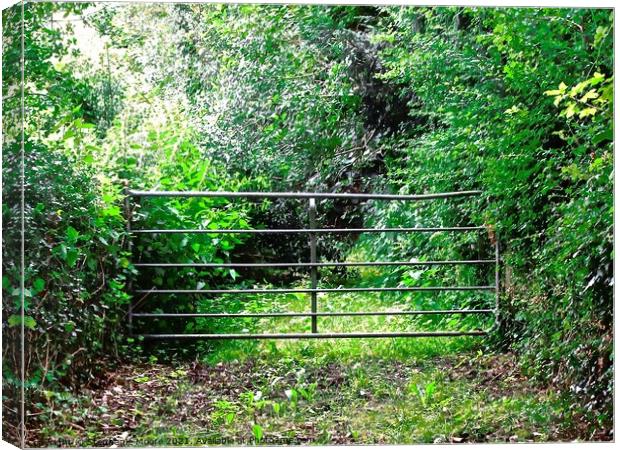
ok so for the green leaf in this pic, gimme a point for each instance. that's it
(38, 285)
(85, 125)
(570, 110)
(607, 135)
(91, 263)
(578, 88)
(257, 431)
(72, 234)
(561, 90)
(587, 112)
(71, 256)
(16, 320)
(597, 78)
(591, 94)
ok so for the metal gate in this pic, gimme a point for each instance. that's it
(314, 314)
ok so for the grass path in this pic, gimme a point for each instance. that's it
(308, 392)
(348, 391)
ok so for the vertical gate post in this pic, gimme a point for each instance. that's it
(313, 269)
(129, 249)
(496, 280)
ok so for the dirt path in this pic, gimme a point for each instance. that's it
(466, 398)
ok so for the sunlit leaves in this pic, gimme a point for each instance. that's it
(28, 321)
(578, 102)
(542, 163)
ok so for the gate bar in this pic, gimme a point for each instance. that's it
(135, 193)
(310, 230)
(313, 269)
(497, 261)
(316, 335)
(322, 264)
(309, 291)
(127, 211)
(313, 265)
(319, 314)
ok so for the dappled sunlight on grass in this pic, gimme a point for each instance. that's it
(349, 349)
(345, 350)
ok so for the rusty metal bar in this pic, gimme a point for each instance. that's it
(302, 195)
(310, 230)
(308, 291)
(317, 314)
(317, 335)
(321, 264)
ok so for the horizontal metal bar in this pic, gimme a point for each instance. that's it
(310, 230)
(318, 314)
(309, 291)
(300, 195)
(317, 335)
(323, 264)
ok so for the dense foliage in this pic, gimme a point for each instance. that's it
(521, 104)
(73, 299)
(515, 102)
